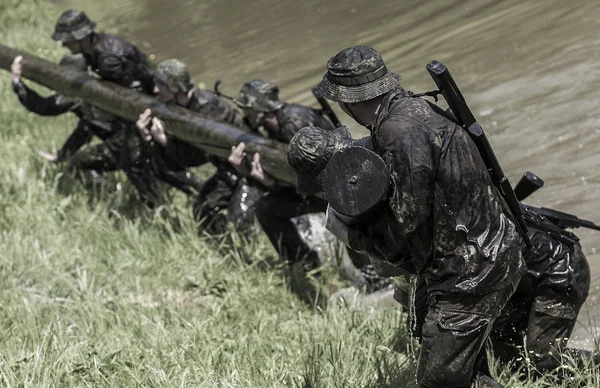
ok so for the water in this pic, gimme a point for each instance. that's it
(529, 69)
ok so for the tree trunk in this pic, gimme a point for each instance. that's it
(214, 137)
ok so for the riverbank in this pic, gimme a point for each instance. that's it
(99, 291)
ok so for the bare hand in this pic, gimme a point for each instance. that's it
(52, 158)
(237, 155)
(258, 173)
(157, 131)
(142, 124)
(336, 226)
(16, 68)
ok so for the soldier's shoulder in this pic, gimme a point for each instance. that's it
(204, 96)
(114, 44)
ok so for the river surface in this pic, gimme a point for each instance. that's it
(530, 70)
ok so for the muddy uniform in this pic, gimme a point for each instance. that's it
(445, 222)
(276, 210)
(225, 189)
(545, 306)
(543, 310)
(92, 161)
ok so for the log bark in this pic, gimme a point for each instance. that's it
(210, 135)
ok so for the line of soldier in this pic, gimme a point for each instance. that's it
(443, 221)
(147, 154)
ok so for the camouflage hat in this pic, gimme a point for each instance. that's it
(310, 150)
(357, 74)
(73, 25)
(259, 95)
(75, 62)
(174, 74)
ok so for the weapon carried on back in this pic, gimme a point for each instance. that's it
(529, 184)
(326, 108)
(464, 117)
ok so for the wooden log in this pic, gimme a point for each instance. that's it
(358, 183)
(212, 136)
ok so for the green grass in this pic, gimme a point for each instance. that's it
(98, 291)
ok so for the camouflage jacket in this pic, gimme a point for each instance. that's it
(291, 119)
(294, 117)
(444, 219)
(208, 104)
(116, 60)
(93, 121)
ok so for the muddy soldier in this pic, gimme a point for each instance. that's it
(225, 189)
(90, 162)
(542, 313)
(308, 153)
(443, 218)
(540, 316)
(262, 108)
(113, 59)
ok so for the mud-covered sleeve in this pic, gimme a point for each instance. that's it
(53, 105)
(408, 152)
(80, 136)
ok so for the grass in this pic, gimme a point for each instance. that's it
(98, 291)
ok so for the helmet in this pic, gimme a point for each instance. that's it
(174, 74)
(259, 95)
(73, 25)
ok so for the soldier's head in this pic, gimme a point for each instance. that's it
(75, 62)
(258, 99)
(171, 79)
(309, 152)
(357, 79)
(73, 29)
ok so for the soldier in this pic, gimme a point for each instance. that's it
(92, 161)
(111, 57)
(443, 218)
(225, 189)
(263, 109)
(308, 153)
(116, 60)
(540, 316)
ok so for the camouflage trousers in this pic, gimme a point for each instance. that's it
(225, 190)
(275, 212)
(453, 330)
(121, 151)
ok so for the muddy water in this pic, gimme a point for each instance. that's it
(529, 69)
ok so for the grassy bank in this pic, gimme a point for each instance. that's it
(99, 291)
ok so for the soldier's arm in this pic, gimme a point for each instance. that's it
(80, 136)
(53, 105)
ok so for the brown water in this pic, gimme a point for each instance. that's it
(530, 70)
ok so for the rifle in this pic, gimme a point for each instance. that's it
(326, 108)
(464, 117)
(530, 183)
